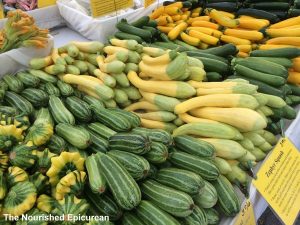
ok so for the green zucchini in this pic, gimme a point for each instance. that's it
(198, 217)
(125, 190)
(289, 53)
(224, 6)
(202, 166)
(99, 144)
(260, 14)
(130, 218)
(185, 45)
(133, 118)
(158, 153)
(213, 76)
(294, 99)
(142, 21)
(56, 144)
(45, 77)
(28, 79)
(93, 101)
(13, 83)
(125, 27)
(223, 51)
(101, 130)
(59, 112)
(64, 88)
(130, 142)
(206, 55)
(194, 146)
(208, 196)
(137, 166)
(212, 65)
(81, 65)
(77, 136)
(20, 103)
(170, 45)
(295, 89)
(175, 202)
(182, 180)
(51, 89)
(213, 217)
(228, 200)
(156, 135)
(270, 5)
(79, 108)
(127, 36)
(152, 215)
(122, 80)
(287, 63)
(37, 97)
(97, 182)
(152, 23)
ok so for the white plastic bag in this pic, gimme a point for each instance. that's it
(18, 59)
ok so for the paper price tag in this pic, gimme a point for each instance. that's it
(147, 3)
(101, 8)
(278, 181)
(246, 216)
(1, 11)
(45, 3)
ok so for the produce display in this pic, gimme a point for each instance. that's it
(156, 126)
(24, 5)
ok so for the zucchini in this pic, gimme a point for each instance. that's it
(59, 112)
(270, 5)
(111, 119)
(37, 97)
(56, 144)
(155, 135)
(212, 65)
(135, 121)
(223, 51)
(287, 63)
(125, 27)
(137, 166)
(170, 45)
(104, 205)
(182, 180)
(228, 200)
(224, 6)
(51, 89)
(207, 197)
(142, 21)
(198, 217)
(102, 130)
(273, 80)
(152, 23)
(204, 167)
(97, 182)
(45, 77)
(175, 202)
(90, 100)
(152, 215)
(130, 142)
(13, 83)
(130, 218)
(194, 146)
(185, 45)
(99, 144)
(79, 108)
(77, 136)
(158, 153)
(290, 52)
(125, 190)
(295, 89)
(20, 103)
(213, 76)
(64, 88)
(295, 100)
(28, 79)
(260, 14)
(126, 36)
(206, 55)
(289, 112)
(212, 215)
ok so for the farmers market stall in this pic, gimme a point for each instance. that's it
(155, 116)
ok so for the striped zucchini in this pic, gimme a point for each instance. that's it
(13, 83)
(98, 144)
(79, 108)
(204, 167)
(194, 146)
(125, 190)
(212, 215)
(56, 144)
(64, 88)
(37, 97)
(183, 180)
(155, 135)
(152, 172)
(133, 118)
(137, 166)
(198, 217)
(18, 102)
(97, 181)
(152, 215)
(77, 136)
(130, 142)
(158, 153)
(93, 101)
(28, 80)
(102, 130)
(175, 202)
(208, 196)
(111, 119)
(51, 89)
(59, 112)
(104, 205)
(131, 219)
(228, 200)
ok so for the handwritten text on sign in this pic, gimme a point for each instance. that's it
(101, 8)
(246, 216)
(278, 180)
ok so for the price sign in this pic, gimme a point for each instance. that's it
(147, 3)
(278, 181)
(1, 11)
(45, 3)
(246, 216)
(101, 8)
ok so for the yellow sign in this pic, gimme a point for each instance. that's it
(101, 8)
(246, 216)
(148, 3)
(45, 3)
(1, 11)
(278, 181)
